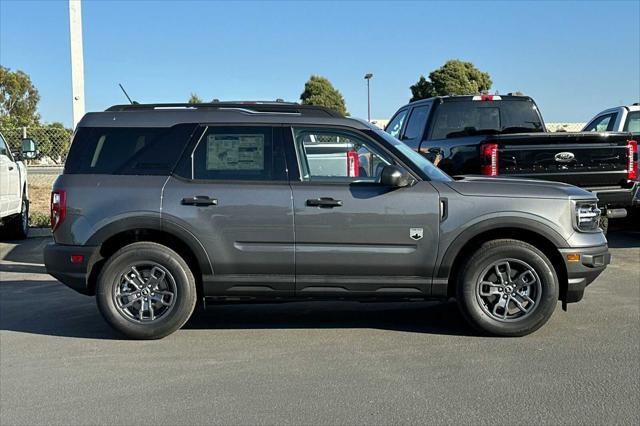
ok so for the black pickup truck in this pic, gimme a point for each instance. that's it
(505, 135)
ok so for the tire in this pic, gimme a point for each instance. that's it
(483, 305)
(166, 309)
(18, 226)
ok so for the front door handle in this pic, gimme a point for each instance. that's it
(325, 203)
(10, 167)
(199, 200)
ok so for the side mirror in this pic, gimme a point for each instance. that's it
(396, 177)
(29, 149)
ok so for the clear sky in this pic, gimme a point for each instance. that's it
(574, 58)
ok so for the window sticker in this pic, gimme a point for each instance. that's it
(235, 152)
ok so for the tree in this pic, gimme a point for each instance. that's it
(319, 91)
(18, 99)
(455, 77)
(195, 99)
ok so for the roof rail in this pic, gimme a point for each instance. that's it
(244, 107)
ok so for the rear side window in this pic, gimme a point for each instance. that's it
(416, 123)
(457, 119)
(127, 150)
(604, 123)
(633, 122)
(237, 153)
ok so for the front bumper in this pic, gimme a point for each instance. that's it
(590, 263)
(57, 260)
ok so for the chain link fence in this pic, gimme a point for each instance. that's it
(53, 143)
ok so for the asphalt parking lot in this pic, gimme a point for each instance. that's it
(317, 363)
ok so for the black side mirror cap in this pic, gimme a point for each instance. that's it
(396, 177)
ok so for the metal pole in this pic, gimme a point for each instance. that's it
(77, 62)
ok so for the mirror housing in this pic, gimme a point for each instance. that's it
(396, 177)
(29, 149)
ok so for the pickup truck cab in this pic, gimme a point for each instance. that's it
(506, 136)
(14, 195)
(160, 206)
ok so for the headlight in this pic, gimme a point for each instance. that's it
(587, 216)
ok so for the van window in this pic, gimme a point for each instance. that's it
(127, 150)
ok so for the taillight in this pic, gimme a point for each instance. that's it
(58, 208)
(353, 164)
(632, 171)
(489, 159)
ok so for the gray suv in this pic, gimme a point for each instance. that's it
(162, 206)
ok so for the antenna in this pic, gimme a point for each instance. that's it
(125, 93)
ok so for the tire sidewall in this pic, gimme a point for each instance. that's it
(484, 257)
(120, 262)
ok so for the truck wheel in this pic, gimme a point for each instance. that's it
(507, 288)
(146, 291)
(18, 226)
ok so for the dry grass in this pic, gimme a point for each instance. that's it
(39, 198)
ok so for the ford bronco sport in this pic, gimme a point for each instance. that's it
(161, 206)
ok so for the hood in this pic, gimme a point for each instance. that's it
(482, 186)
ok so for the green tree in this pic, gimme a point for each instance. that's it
(319, 91)
(18, 99)
(455, 77)
(195, 99)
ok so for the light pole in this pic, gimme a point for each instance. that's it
(77, 62)
(368, 77)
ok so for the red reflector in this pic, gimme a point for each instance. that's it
(353, 164)
(489, 155)
(77, 258)
(632, 170)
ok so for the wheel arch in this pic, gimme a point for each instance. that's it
(116, 235)
(539, 235)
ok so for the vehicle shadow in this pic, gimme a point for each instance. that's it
(621, 238)
(46, 307)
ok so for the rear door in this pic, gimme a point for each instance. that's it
(354, 236)
(231, 192)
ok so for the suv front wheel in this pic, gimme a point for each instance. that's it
(146, 291)
(507, 288)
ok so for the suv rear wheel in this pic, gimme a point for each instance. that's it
(146, 291)
(507, 288)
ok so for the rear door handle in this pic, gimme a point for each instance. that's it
(199, 200)
(324, 202)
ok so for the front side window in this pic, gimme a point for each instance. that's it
(633, 122)
(237, 153)
(327, 155)
(395, 126)
(604, 123)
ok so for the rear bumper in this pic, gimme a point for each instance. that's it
(592, 262)
(617, 197)
(57, 260)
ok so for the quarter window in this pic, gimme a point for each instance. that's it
(338, 156)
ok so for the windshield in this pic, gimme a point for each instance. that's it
(468, 118)
(422, 163)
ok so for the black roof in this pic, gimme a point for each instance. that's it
(460, 98)
(248, 106)
(240, 113)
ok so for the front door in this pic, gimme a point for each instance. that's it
(232, 194)
(354, 236)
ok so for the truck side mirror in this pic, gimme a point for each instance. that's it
(396, 177)
(29, 149)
